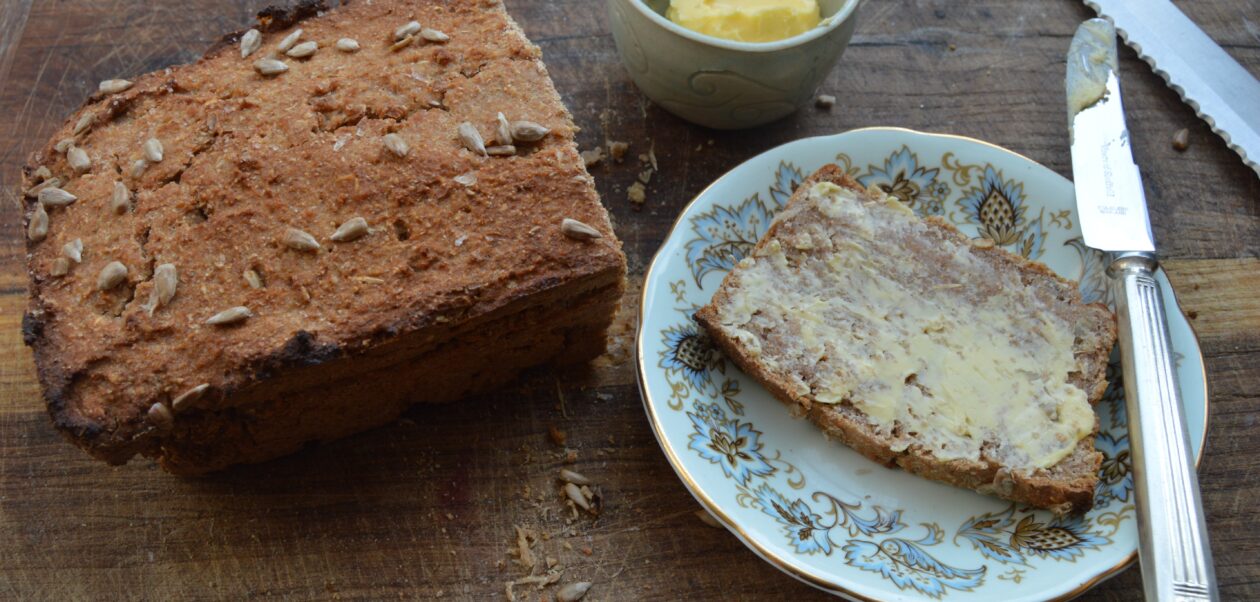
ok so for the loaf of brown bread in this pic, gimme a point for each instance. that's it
(919, 348)
(322, 221)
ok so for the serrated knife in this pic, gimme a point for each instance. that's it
(1176, 559)
(1220, 91)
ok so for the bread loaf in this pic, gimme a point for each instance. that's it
(314, 226)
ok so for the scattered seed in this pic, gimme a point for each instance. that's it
(433, 35)
(187, 398)
(303, 50)
(300, 241)
(114, 86)
(505, 150)
(161, 416)
(409, 29)
(825, 101)
(528, 131)
(592, 157)
(503, 130)
(578, 230)
(348, 45)
(165, 282)
(1181, 140)
(289, 41)
(576, 478)
(56, 197)
(60, 267)
(573, 591)
(352, 230)
(111, 275)
(230, 316)
(37, 229)
(396, 144)
(137, 168)
(708, 519)
(253, 278)
(466, 179)
(153, 150)
(403, 43)
(84, 123)
(250, 42)
(40, 175)
(574, 493)
(120, 200)
(270, 67)
(78, 160)
(471, 138)
(73, 250)
(63, 145)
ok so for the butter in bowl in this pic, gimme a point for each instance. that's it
(731, 64)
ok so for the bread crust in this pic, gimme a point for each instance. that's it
(443, 258)
(1066, 487)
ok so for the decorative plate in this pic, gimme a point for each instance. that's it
(816, 509)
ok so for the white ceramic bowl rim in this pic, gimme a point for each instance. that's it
(829, 23)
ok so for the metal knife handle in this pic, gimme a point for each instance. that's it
(1176, 559)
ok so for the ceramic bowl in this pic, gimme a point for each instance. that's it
(720, 83)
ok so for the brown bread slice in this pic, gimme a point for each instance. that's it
(766, 342)
(464, 278)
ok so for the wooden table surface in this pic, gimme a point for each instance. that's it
(426, 508)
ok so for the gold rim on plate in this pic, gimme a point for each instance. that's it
(709, 505)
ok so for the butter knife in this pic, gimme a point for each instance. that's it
(1111, 204)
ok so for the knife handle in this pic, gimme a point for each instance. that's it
(1176, 558)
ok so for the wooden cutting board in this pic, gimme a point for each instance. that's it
(426, 508)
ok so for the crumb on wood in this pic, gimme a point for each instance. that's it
(617, 150)
(557, 436)
(592, 157)
(637, 193)
(825, 101)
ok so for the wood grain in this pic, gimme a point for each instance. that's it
(425, 508)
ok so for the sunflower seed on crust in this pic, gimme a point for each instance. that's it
(114, 86)
(37, 229)
(78, 159)
(505, 150)
(111, 275)
(41, 174)
(502, 130)
(403, 43)
(471, 138)
(466, 179)
(396, 144)
(232, 315)
(84, 123)
(33, 191)
(253, 278)
(352, 230)
(63, 145)
(303, 50)
(153, 151)
(60, 267)
(137, 168)
(165, 283)
(186, 399)
(574, 493)
(160, 416)
(55, 197)
(528, 131)
(120, 200)
(300, 241)
(270, 67)
(578, 230)
(348, 45)
(409, 29)
(289, 41)
(250, 42)
(433, 35)
(73, 250)
(573, 591)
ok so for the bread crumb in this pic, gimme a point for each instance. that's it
(557, 436)
(637, 193)
(1181, 140)
(618, 149)
(825, 101)
(645, 176)
(592, 157)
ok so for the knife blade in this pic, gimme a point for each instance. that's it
(1221, 91)
(1172, 534)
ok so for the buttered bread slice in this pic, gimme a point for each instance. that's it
(956, 361)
